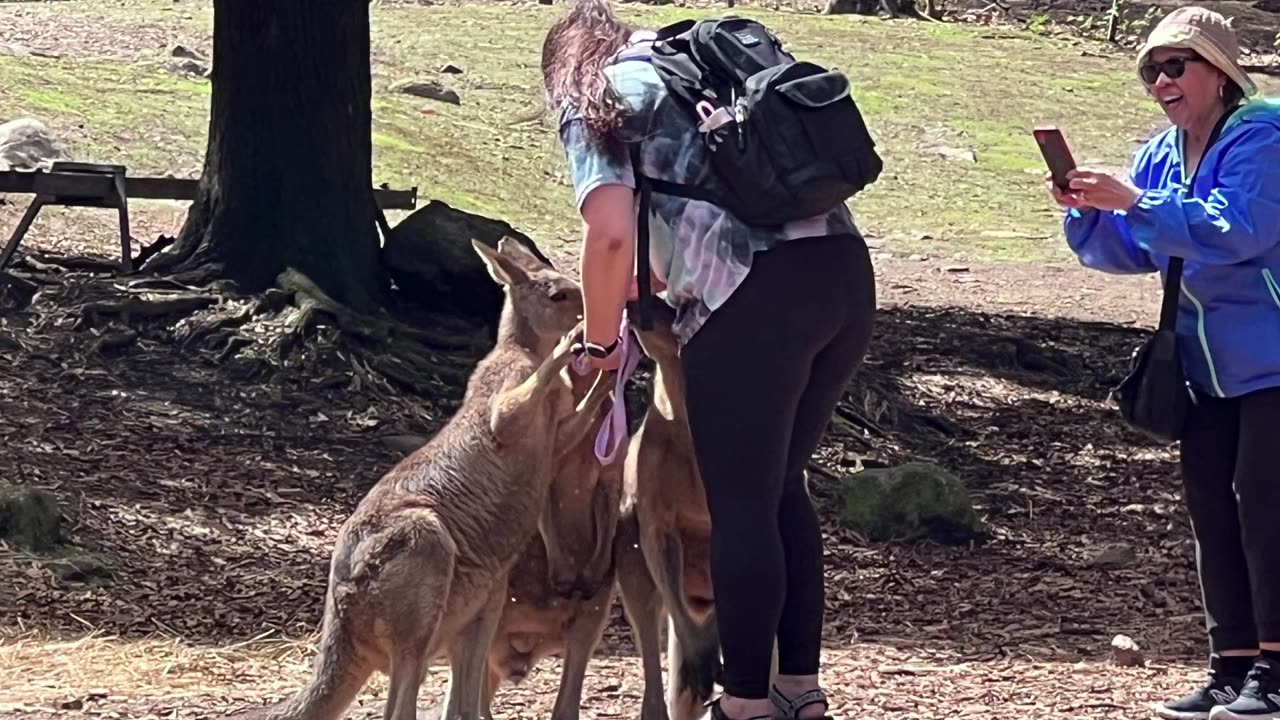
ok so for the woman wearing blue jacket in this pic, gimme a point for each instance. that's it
(1217, 206)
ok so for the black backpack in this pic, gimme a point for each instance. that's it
(796, 145)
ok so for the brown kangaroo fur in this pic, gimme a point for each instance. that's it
(420, 569)
(663, 543)
(561, 589)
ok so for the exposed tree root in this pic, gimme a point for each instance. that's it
(115, 340)
(141, 307)
(295, 328)
(311, 298)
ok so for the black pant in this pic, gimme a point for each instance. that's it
(1231, 476)
(763, 377)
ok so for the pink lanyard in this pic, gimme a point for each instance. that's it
(614, 430)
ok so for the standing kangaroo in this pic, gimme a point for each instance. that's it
(663, 543)
(562, 588)
(420, 569)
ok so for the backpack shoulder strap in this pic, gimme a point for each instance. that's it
(643, 286)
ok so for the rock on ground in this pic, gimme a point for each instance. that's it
(27, 144)
(909, 502)
(29, 518)
(428, 89)
(189, 66)
(430, 257)
(1114, 557)
(1125, 652)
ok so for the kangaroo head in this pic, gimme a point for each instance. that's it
(539, 297)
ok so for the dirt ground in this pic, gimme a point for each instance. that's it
(216, 501)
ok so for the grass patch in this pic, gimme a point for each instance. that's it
(924, 88)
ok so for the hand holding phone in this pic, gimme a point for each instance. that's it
(1056, 153)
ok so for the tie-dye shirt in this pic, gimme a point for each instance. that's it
(699, 250)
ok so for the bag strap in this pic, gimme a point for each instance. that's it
(1173, 276)
(1172, 295)
(643, 285)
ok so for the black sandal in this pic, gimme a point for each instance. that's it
(791, 707)
(718, 714)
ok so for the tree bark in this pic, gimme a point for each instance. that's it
(287, 176)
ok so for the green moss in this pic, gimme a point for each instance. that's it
(29, 518)
(910, 502)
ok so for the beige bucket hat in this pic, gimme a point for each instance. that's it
(1207, 33)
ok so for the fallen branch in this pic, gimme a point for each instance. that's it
(153, 249)
(148, 308)
(75, 262)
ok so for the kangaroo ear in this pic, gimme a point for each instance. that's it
(502, 269)
(519, 252)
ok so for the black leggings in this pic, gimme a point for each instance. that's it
(763, 377)
(1232, 488)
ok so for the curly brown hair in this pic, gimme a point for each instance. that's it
(576, 50)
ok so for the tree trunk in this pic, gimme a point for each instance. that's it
(287, 176)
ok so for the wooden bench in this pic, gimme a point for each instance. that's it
(72, 184)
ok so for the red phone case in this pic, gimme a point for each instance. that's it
(1056, 153)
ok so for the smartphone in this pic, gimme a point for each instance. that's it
(1057, 155)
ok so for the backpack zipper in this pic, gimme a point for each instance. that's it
(1204, 340)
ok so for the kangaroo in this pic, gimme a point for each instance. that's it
(663, 543)
(562, 588)
(419, 571)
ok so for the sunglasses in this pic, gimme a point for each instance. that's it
(1171, 68)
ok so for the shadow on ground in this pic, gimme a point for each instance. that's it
(217, 501)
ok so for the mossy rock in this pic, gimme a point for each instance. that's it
(78, 568)
(29, 518)
(910, 502)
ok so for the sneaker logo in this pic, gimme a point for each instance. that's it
(1224, 697)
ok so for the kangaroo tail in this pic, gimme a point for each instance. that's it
(337, 675)
(698, 669)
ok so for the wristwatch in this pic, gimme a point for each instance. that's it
(596, 350)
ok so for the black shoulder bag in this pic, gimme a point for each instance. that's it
(1155, 398)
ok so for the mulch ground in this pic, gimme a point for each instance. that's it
(215, 501)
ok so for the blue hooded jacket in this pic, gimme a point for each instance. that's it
(1226, 227)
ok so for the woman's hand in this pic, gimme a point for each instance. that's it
(1066, 200)
(1102, 191)
(612, 361)
(604, 364)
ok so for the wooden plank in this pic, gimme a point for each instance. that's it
(73, 185)
(16, 181)
(149, 188)
(161, 188)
